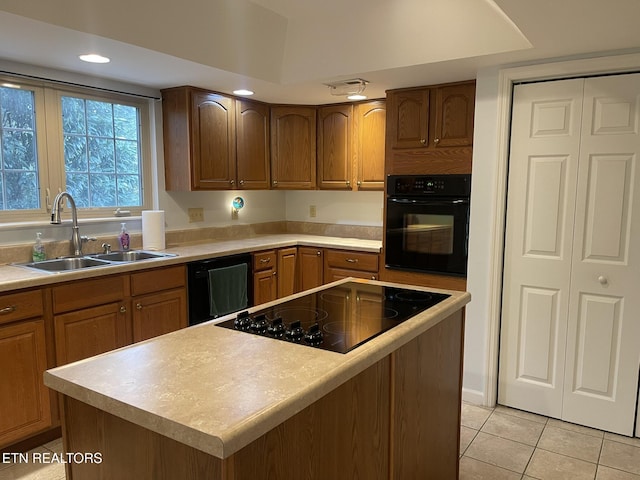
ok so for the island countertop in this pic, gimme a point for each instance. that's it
(216, 389)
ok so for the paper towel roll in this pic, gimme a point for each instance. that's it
(153, 230)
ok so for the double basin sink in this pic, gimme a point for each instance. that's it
(94, 260)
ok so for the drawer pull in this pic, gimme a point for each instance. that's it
(138, 306)
(265, 260)
(8, 310)
(352, 260)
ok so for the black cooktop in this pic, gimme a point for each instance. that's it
(338, 318)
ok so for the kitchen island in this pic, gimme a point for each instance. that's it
(215, 403)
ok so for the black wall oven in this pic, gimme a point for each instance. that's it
(427, 223)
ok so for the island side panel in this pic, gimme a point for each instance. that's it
(129, 451)
(342, 436)
(426, 395)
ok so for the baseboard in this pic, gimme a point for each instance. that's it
(474, 396)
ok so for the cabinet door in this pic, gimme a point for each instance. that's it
(335, 159)
(293, 147)
(159, 313)
(409, 118)
(213, 141)
(287, 260)
(370, 124)
(264, 286)
(310, 261)
(455, 106)
(24, 400)
(91, 331)
(252, 142)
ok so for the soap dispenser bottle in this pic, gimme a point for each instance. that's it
(38, 253)
(123, 238)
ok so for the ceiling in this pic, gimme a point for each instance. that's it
(286, 50)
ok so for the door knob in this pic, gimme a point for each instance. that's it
(603, 280)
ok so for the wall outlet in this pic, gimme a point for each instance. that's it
(312, 211)
(195, 215)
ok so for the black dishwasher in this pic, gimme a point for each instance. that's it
(218, 286)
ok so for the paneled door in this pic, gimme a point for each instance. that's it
(570, 324)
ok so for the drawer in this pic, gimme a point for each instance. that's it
(20, 305)
(157, 280)
(264, 260)
(344, 259)
(89, 293)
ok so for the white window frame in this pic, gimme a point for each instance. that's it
(50, 147)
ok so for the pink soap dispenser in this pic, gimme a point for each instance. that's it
(123, 238)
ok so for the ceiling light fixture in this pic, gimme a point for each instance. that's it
(9, 85)
(352, 88)
(94, 58)
(243, 92)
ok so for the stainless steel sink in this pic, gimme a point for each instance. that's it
(95, 260)
(129, 256)
(66, 264)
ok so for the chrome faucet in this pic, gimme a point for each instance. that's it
(76, 239)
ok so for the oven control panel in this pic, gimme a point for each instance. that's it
(443, 185)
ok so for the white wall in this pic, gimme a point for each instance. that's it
(345, 208)
(483, 201)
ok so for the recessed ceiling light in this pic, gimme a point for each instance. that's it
(94, 58)
(357, 97)
(242, 91)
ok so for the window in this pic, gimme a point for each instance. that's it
(90, 144)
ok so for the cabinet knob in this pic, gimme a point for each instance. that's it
(348, 183)
(358, 183)
(123, 309)
(231, 182)
(138, 306)
(8, 310)
(275, 182)
(318, 253)
(423, 141)
(604, 281)
(275, 273)
(373, 277)
(241, 182)
(436, 141)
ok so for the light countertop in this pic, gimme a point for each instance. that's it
(14, 277)
(217, 389)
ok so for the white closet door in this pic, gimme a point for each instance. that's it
(545, 140)
(603, 347)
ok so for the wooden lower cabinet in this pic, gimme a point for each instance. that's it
(159, 302)
(24, 400)
(310, 267)
(286, 272)
(274, 274)
(91, 331)
(398, 419)
(339, 264)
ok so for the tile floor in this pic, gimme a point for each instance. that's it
(504, 444)
(495, 443)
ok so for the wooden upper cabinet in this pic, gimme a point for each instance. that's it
(370, 123)
(199, 139)
(335, 157)
(409, 118)
(455, 105)
(293, 147)
(252, 145)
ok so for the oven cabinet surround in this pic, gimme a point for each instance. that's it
(389, 409)
(430, 129)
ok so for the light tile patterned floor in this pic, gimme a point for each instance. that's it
(495, 443)
(503, 443)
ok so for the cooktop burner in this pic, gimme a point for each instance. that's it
(339, 318)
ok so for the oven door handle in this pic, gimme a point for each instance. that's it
(440, 202)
